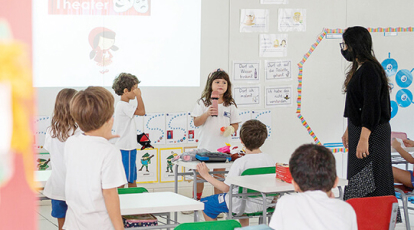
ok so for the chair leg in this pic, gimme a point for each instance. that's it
(404, 199)
(260, 220)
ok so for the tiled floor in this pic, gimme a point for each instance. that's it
(46, 222)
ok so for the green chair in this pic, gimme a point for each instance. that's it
(254, 171)
(132, 190)
(208, 225)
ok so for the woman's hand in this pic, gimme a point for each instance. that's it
(362, 149)
(345, 138)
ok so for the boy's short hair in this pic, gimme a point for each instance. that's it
(124, 81)
(313, 167)
(253, 134)
(92, 107)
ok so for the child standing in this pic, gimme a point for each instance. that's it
(126, 86)
(314, 175)
(93, 167)
(228, 115)
(253, 134)
(63, 126)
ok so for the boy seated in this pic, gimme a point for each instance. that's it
(94, 167)
(253, 134)
(314, 206)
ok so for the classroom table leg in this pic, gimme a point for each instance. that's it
(176, 187)
(194, 185)
(196, 216)
(168, 219)
(341, 194)
(264, 209)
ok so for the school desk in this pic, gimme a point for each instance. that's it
(265, 184)
(158, 203)
(397, 159)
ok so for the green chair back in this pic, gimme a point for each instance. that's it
(132, 190)
(208, 225)
(257, 171)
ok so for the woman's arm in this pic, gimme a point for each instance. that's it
(363, 146)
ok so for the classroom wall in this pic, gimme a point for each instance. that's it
(323, 72)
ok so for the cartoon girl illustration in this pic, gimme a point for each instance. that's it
(276, 43)
(283, 44)
(102, 41)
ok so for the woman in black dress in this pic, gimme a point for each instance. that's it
(367, 107)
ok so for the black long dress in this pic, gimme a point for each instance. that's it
(368, 105)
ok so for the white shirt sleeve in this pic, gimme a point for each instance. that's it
(234, 115)
(198, 109)
(129, 110)
(277, 218)
(235, 170)
(48, 140)
(113, 174)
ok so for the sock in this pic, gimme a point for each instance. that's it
(199, 195)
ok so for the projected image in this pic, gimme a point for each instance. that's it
(78, 43)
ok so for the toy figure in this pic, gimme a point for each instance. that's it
(144, 141)
(145, 160)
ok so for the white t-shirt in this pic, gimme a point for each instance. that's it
(55, 185)
(124, 126)
(256, 160)
(92, 164)
(210, 136)
(313, 210)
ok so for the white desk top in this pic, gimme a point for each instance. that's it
(210, 165)
(267, 183)
(157, 202)
(42, 176)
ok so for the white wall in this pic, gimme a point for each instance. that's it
(323, 72)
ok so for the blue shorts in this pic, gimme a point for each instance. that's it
(59, 208)
(214, 205)
(412, 177)
(129, 158)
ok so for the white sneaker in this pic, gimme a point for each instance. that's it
(187, 212)
(221, 215)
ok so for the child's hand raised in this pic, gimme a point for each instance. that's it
(137, 92)
(211, 110)
(203, 169)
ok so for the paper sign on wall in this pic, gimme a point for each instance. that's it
(154, 126)
(244, 116)
(265, 116)
(278, 96)
(41, 124)
(176, 128)
(246, 70)
(273, 45)
(139, 123)
(247, 95)
(292, 20)
(278, 69)
(274, 1)
(166, 166)
(147, 166)
(192, 130)
(254, 20)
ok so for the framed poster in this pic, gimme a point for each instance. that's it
(147, 166)
(166, 166)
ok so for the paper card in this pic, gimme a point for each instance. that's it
(6, 124)
(254, 20)
(139, 123)
(292, 20)
(278, 70)
(247, 95)
(154, 126)
(273, 45)
(176, 128)
(246, 70)
(166, 166)
(274, 1)
(278, 96)
(192, 130)
(244, 116)
(41, 123)
(43, 162)
(265, 116)
(147, 166)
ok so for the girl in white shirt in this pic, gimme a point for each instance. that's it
(63, 126)
(227, 115)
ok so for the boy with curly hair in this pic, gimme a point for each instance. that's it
(126, 86)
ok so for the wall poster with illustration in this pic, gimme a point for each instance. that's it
(147, 166)
(166, 166)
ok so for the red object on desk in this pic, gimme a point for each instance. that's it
(283, 173)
